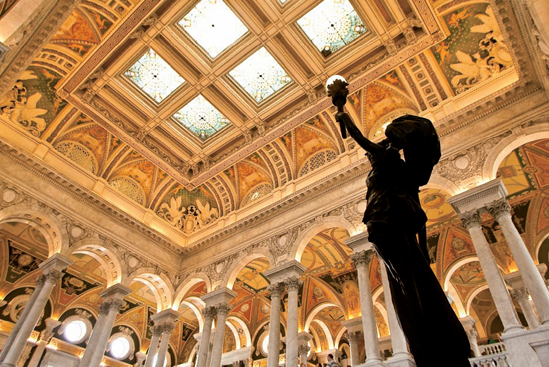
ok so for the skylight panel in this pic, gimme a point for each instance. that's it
(201, 118)
(154, 76)
(332, 25)
(213, 26)
(260, 75)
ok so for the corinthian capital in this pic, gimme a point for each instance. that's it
(223, 309)
(293, 283)
(520, 294)
(40, 280)
(53, 276)
(209, 312)
(498, 208)
(276, 289)
(111, 305)
(470, 219)
(166, 327)
(362, 258)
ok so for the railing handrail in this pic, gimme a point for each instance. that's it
(491, 349)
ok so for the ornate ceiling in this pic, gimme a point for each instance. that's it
(191, 115)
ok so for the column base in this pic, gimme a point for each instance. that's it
(403, 360)
(528, 348)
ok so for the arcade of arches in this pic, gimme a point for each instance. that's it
(175, 191)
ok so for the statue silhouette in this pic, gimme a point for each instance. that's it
(395, 220)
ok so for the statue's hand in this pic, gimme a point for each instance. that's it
(340, 116)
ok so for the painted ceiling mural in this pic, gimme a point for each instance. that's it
(474, 52)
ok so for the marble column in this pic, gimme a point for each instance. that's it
(52, 269)
(471, 221)
(153, 347)
(276, 290)
(167, 329)
(501, 211)
(362, 261)
(353, 338)
(289, 273)
(521, 295)
(209, 313)
(398, 340)
(15, 331)
(219, 337)
(165, 321)
(303, 349)
(468, 325)
(45, 337)
(292, 285)
(113, 300)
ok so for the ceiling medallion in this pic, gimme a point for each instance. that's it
(201, 118)
(154, 76)
(213, 25)
(332, 25)
(260, 75)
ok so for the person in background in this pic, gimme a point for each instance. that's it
(331, 362)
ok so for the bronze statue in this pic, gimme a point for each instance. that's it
(394, 219)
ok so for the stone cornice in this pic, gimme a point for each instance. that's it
(82, 194)
(35, 37)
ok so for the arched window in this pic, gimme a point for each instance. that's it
(130, 188)
(121, 346)
(79, 154)
(316, 161)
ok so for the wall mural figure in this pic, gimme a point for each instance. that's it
(394, 218)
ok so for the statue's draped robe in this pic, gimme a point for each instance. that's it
(394, 217)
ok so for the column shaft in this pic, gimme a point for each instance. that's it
(293, 284)
(369, 327)
(219, 337)
(521, 295)
(274, 326)
(498, 289)
(167, 331)
(24, 315)
(28, 324)
(353, 344)
(398, 340)
(530, 274)
(153, 347)
(205, 339)
(105, 332)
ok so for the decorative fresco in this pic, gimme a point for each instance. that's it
(20, 262)
(189, 210)
(32, 103)
(475, 49)
(102, 23)
(309, 142)
(327, 252)
(250, 176)
(332, 317)
(252, 275)
(77, 33)
(435, 204)
(467, 278)
(379, 101)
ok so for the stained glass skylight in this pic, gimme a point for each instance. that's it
(332, 25)
(213, 25)
(260, 75)
(201, 118)
(154, 76)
